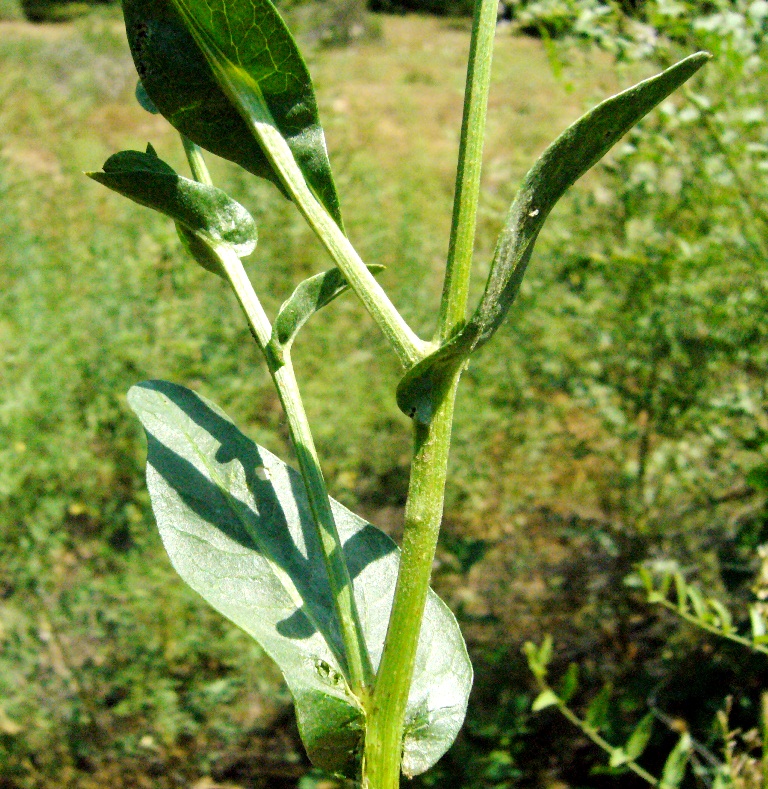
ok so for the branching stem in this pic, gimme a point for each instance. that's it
(356, 660)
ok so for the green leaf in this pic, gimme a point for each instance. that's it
(573, 153)
(310, 295)
(723, 615)
(674, 767)
(597, 712)
(143, 98)
(180, 48)
(639, 738)
(545, 699)
(681, 590)
(570, 683)
(757, 621)
(209, 214)
(699, 606)
(237, 526)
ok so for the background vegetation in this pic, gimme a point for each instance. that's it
(621, 418)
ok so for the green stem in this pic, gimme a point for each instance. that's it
(409, 348)
(196, 162)
(602, 743)
(462, 242)
(710, 628)
(424, 508)
(358, 663)
(423, 514)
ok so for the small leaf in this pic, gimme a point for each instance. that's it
(573, 153)
(545, 651)
(639, 738)
(723, 615)
(757, 621)
(681, 589)
(674, 767)
(531, 652)
(249, 40)
(310, 295)
(205, 211)
(699, 606)
(570, 683)
(143, 98)
(597, 712)
(236, 523)
(545, 699)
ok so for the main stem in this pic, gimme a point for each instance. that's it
(423, 515)
(424, 509)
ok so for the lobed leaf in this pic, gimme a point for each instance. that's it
(574, 152)
(237, 526)
(310, 296)
(208, 214)
(181, 48)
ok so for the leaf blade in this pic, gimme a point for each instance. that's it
(208, 213)
(309, 296)
(247, 544)
(574, 152)
(239, 55)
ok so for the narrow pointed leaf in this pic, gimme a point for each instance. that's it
(310, 295)
(574, 152)
(237, 526)
(570, 683)
(597, 712)
(674, 767)
(639, 738)
(208, 213)
(182, 48)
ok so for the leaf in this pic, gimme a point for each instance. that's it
(674, 767)
(143, 98)
(699, 606)
(249, 40)
(757, 621)
(237, 526)
(205, 211)
(723, 615)
(570, 683)
(681, 589)
(639, 738)
(597, 712)
(574, 152)
(310, 295)
(545, 699)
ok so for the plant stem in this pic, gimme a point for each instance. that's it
(358, 662)
(426, 493)
(462, 242)
(604, 744)
(710, 628)
(196, 162)
(409, 348)
(423, 514)
(407, 345)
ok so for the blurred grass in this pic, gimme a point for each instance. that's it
(110, 670)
